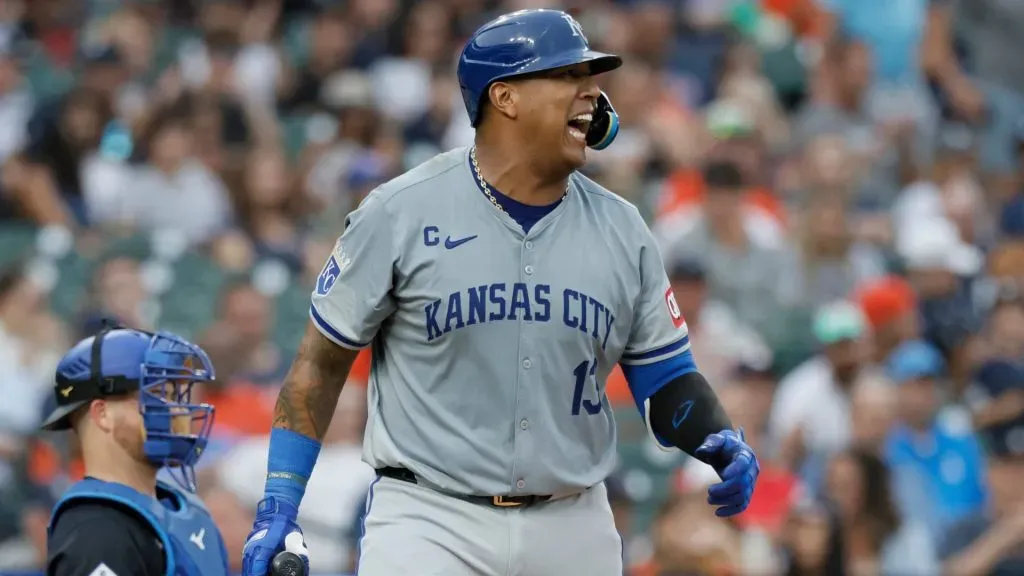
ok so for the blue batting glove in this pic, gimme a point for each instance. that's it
(736, 465)
(273, 531)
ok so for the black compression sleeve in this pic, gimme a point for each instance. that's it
(685, 411)
(93, 535)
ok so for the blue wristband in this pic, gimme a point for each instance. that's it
(290, 464)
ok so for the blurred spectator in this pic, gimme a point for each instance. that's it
(16, 98)
(942, 268)
(893, 37)
(724, 340)
(754, 376)
(31, 342)
(875, 539)
(812, 541)
(832, 259)
(811, 413)
(936, 460)
(735, 140)
(968, 56)
(1006, 266)
(996, 395)
(837, 106)
(244, 324)
(400, 80)
(991, 541)
(270, 205)
(174, 190)
(329, 50)
(748, 269)
(891, 308)
(690, 540)
(243, 408)
(952, 191)
(116, 294)
(45, 180)
(233, 56)
(33, 507)
(873, 414)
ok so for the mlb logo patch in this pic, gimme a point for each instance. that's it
(673, 308)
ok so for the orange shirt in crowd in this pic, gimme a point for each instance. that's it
(45, 465)
(805, 17)
(243, 409)
(248, 410)
(685, 189)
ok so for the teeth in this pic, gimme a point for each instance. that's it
(587, 117)
(577, 134)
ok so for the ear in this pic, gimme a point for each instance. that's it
(505, 98)
(100, 414)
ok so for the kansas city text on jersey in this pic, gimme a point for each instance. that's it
(517, 301)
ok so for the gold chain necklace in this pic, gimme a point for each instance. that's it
(487, 189)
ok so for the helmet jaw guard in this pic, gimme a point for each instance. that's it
(605, 126)
(176, 430)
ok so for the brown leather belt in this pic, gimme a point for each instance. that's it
(496, 501)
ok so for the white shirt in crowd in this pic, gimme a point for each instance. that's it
(809, 398)
(192, 200)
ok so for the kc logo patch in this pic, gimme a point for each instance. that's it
(673, 308)
(328, 276)
(336, 264)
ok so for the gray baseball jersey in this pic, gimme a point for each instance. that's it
(490, 346)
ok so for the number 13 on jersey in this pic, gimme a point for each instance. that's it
(585, 371)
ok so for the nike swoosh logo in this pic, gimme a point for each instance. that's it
(452, 244)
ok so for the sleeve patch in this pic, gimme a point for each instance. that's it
(328, 276)
(673, 308)
(337, 263)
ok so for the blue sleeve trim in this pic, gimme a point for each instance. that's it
(646, 379)
(666, 349)
(332, 332)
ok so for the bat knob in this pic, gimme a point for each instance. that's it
(287, 564)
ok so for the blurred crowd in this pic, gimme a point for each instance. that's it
(836, 186)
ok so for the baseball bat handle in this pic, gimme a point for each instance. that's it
(287, 564)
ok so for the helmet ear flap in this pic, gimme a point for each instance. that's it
(605, 125)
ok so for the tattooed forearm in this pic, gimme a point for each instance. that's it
(310, 393)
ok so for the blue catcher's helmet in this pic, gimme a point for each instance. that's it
(529, 41)
(162, 368)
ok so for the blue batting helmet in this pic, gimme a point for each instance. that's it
(162, 368)
(521, 43)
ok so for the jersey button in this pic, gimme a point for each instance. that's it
(527, 363)
(520, 483)
(524, 424)
(529, 245)
(528, 269)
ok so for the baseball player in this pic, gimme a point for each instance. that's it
(499, 287)
(127, 395)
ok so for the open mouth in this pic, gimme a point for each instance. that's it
(578, 126)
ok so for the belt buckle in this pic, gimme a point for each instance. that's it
(502, 503)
